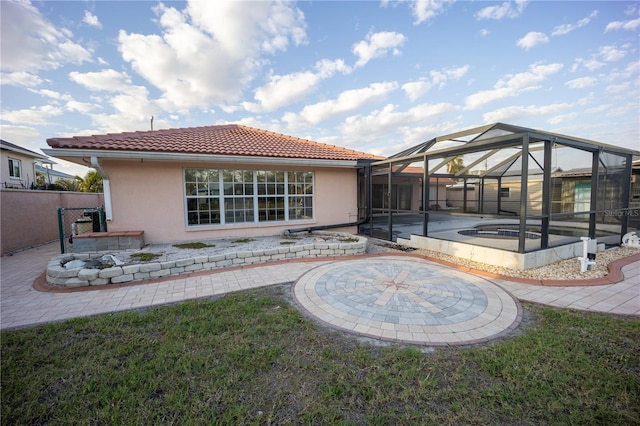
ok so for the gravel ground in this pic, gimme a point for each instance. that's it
(568, 269)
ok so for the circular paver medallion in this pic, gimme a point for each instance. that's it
(409, 300)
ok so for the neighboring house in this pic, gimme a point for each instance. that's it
(52, 176)
(571, 193)
(19, 165)
(218, 181)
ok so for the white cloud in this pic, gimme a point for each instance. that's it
(630, 25)
(210, 51)
(567, 28)
(513, 85)
(386, 131)
(617, 89)
(605, 54)
(132, 110)
(600, 109)
(21, 78)
(24, 136)
(82, 107)
(505, 10)
(52, 94)
(532, 39)
(282, 90)
(106, 80)
(516, 113)
(591, 64)
(416, 89)
(611, 53)
(581, 83)
(376, 45)
(30, 43)
(425, 10)
(347, 101)
(35, 116)
(91, 19)
(556, 119)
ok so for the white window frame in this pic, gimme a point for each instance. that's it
(12, 168)
(289, 199)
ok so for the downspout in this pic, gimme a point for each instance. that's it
(310, 229)
(106, 186)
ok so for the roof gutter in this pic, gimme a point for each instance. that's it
(106, 186)
(170, 156)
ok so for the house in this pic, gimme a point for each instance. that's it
(51, 176)
(19, 166)
(218, 181)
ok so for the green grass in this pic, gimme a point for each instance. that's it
(145, 257)
(194, 245)
(251, 358)
(243, 240)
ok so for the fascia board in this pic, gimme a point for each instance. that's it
(169, 156)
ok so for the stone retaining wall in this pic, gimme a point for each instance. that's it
(59, 276)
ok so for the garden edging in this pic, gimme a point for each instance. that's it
(58, 276)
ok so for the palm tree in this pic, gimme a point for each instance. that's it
(92, 182)
(455, 165)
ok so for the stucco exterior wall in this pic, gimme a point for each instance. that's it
(28, 170)
(30, 218)
(149, 196)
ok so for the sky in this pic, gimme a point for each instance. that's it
(377, 77)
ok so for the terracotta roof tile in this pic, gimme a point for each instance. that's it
(228, 139)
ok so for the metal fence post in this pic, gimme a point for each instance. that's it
(61, 229)
(103, 219)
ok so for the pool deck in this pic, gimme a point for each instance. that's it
(393, 283)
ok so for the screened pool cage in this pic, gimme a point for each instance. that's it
(528, 189)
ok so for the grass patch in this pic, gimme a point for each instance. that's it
(144, 257)
(284, 243)
(194, 245)
(243, 240)
(251, 358)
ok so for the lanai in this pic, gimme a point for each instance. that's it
(534, 179)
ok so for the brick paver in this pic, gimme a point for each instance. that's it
(22, 305)
(407, 299)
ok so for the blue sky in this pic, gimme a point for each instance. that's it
(377, 77)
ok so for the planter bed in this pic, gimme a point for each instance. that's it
(69, 277)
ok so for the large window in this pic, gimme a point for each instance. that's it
(247, 196)
(15, 168)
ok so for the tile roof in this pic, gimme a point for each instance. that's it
(228, 139)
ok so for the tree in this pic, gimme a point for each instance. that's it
(455, 165)
(65, 185)
(92, 182)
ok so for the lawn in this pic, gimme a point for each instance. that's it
(251, 358)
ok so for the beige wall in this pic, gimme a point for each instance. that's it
(30, 218)
(149, 196)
